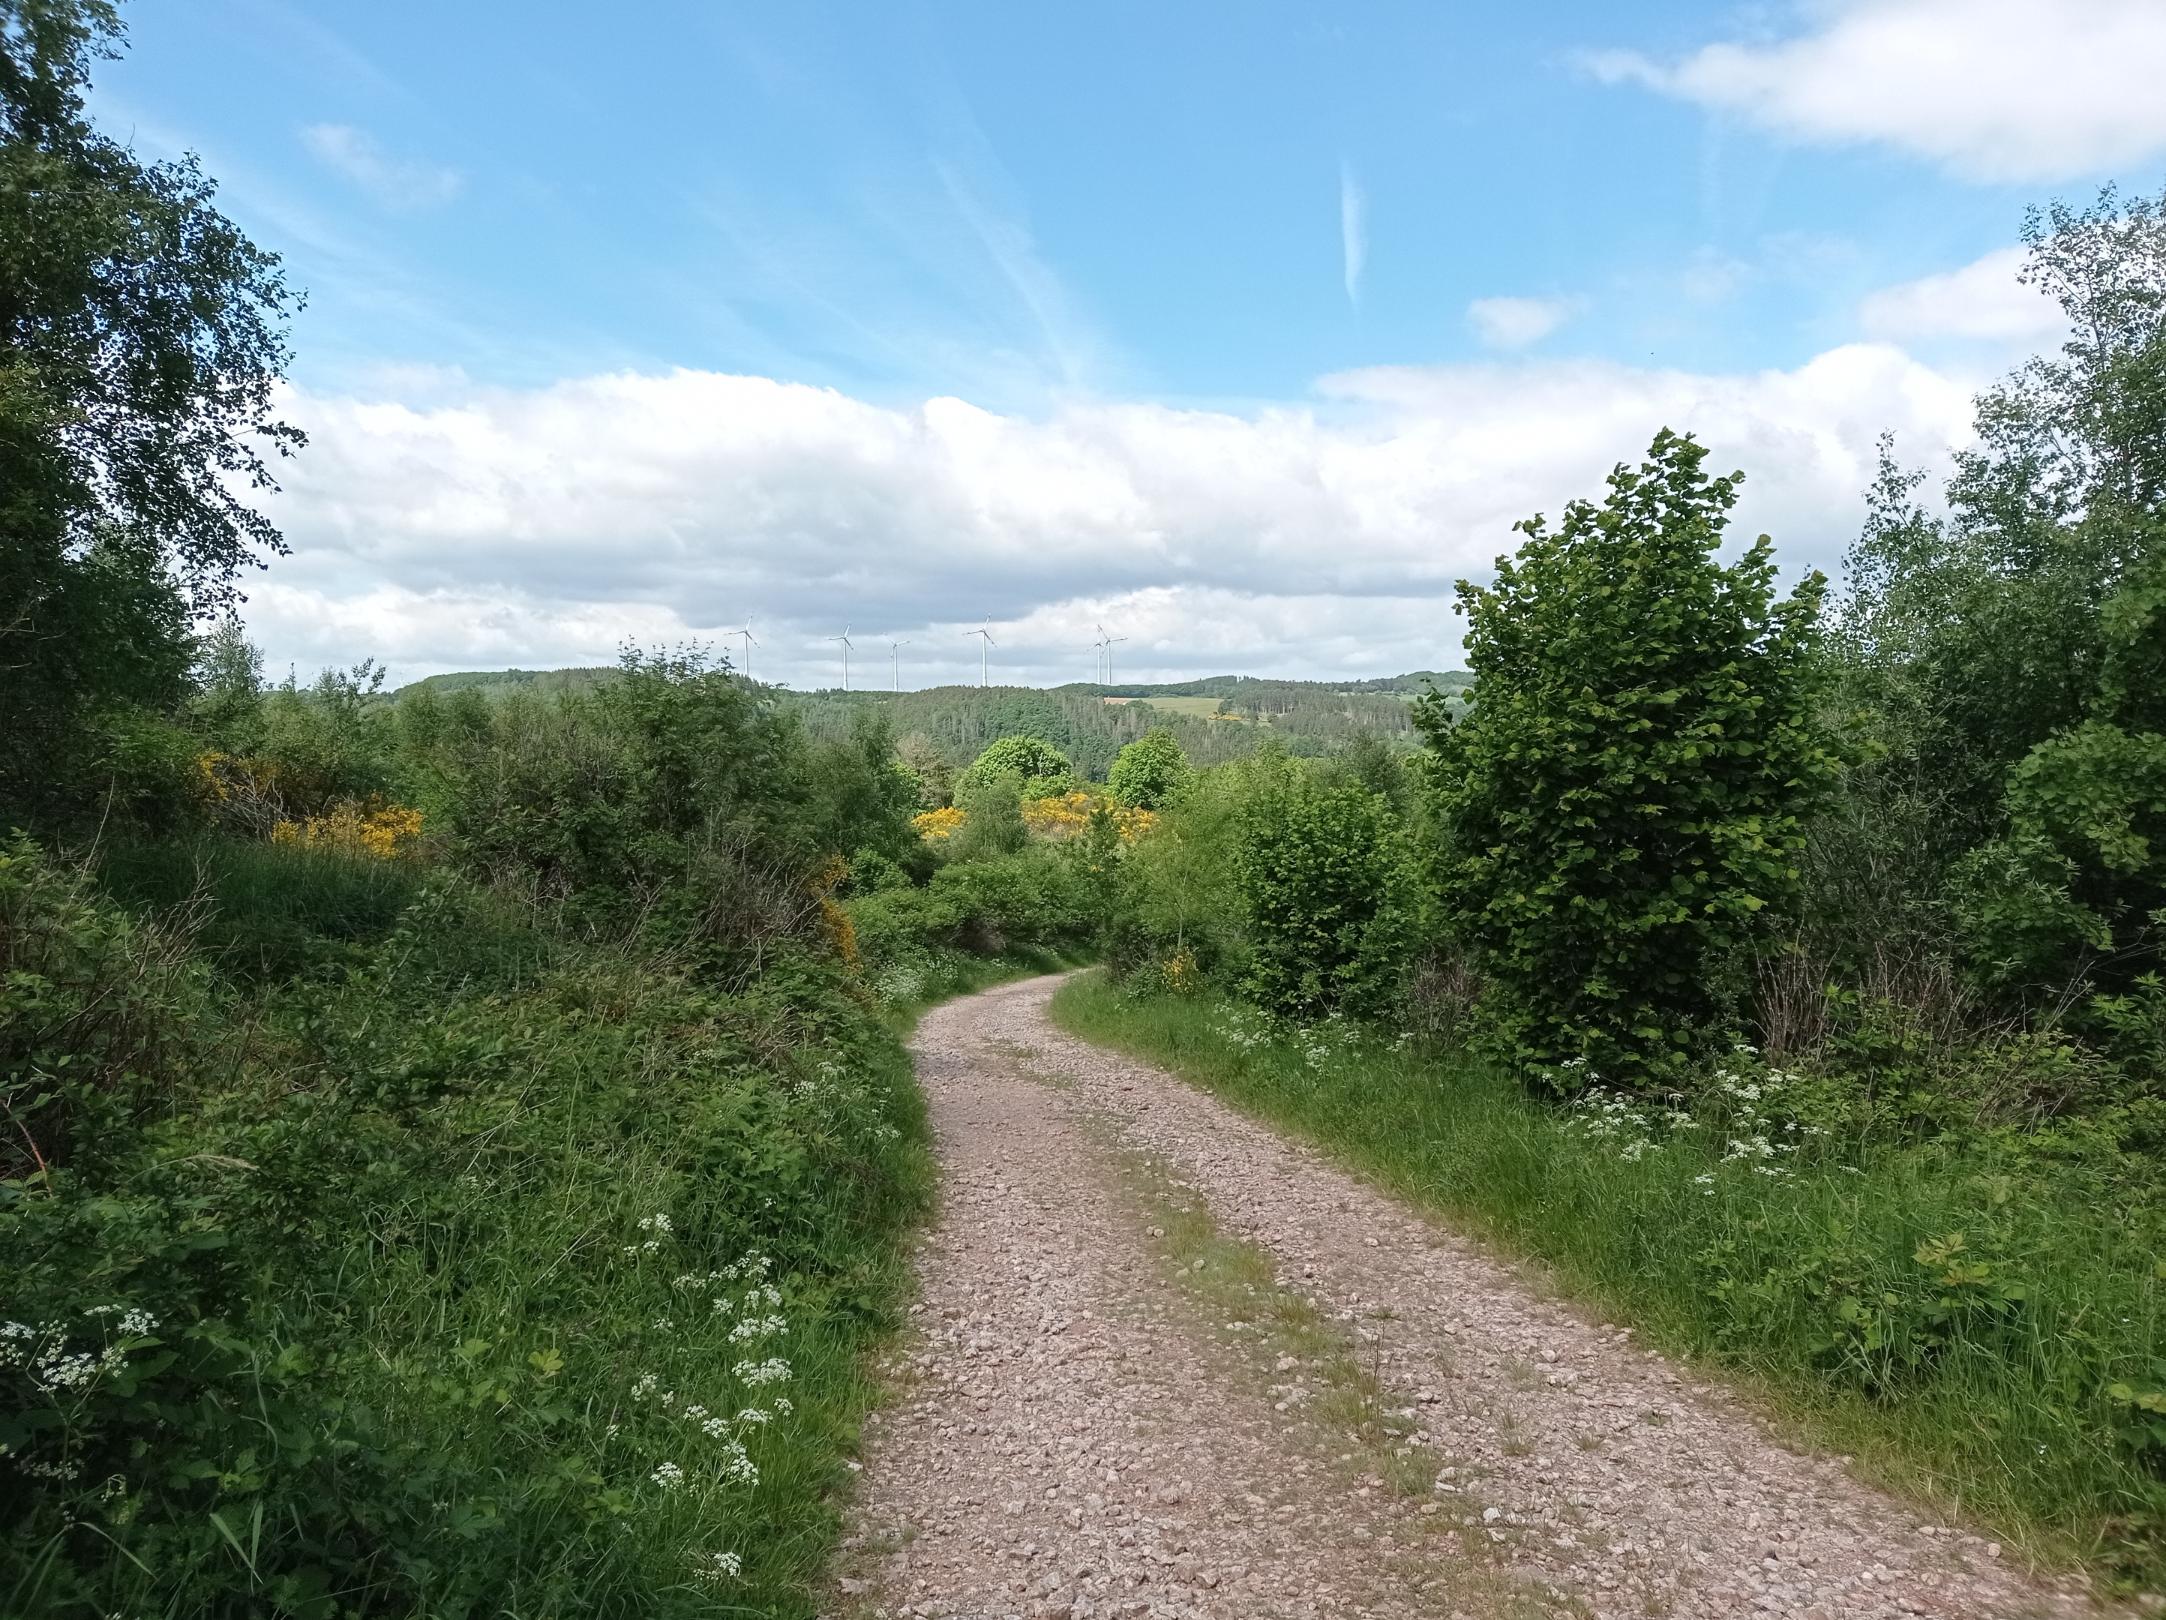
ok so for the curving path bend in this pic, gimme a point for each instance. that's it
(1169, 1363)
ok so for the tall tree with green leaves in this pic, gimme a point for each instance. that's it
(1621, 805)
(140, 337)
(1151, 772)
(1037, 767)
(1986, 653)
(1975, 634)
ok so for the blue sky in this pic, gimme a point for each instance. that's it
(1250, 325)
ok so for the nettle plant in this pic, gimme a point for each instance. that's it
(1622, 803)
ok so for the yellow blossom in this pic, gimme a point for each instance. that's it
(380, 831)
(937, 826)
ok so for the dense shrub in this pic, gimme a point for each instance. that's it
(1177, 892)
(1037, 899)
(1325, 878)
(1625, 796)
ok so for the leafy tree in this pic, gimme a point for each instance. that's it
(2076, 886)
(1973, 636)
(1038, 767)
(1151, 772)
(139, 342)
(1377, 766)
(1177, 890)
(935, 776)
(1623, 799)
(1324, 873)
(862, 796)
(229, 686)
(1993, 657)
(328, 741)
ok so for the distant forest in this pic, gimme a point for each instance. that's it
(1215, 719)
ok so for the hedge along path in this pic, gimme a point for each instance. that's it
(1169, 1363)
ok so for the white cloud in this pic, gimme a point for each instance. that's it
(2019, 91)
(482, 527)
(398, 183)
(1353, 232)
(1981, 300)
(1514, 323)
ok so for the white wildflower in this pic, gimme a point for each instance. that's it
(718, 1567)
(737, 1464)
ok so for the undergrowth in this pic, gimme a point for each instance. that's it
(436, 1263)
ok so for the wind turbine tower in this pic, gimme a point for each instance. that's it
(1098, 663)
(844, 638)
(985, 635)
(744, 666)
(894, 652)
(1111, 643)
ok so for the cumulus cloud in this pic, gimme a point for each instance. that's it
(1513, 323)
(397, 183)
(1981, 300)
(476, 527)
(2020, 91)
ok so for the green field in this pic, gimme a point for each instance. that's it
(1201, 708)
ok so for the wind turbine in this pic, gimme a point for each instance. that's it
(894, 651)
(1111, 643)
(844, 638)
(1099, 647)
(984, 643)
(745, 667)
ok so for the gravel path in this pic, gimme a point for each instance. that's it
(1169, 1363)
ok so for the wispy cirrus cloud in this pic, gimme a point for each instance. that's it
(1353, 232)
(403, 184)
(1992, 90)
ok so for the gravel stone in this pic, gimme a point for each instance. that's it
(1069, 1437)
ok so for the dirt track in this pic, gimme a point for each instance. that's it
(1172, 1364)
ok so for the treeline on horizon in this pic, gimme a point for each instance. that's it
(954, 724)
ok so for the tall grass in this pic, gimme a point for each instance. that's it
(1950, 1312)
(262, 910)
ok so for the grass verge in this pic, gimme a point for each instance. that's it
(1952, 1314)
